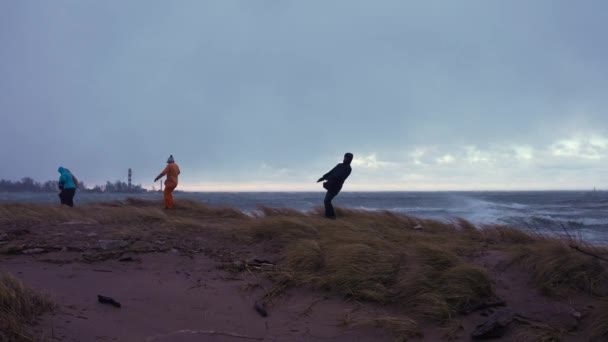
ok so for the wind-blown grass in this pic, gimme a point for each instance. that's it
(379, 256)
(19, 306)
(424, 267)
(387, 258)
(558, 269)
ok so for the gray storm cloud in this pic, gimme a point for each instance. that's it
(269, 95)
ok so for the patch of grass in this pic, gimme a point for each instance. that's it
(138, 202)
(304, 255)
(424, 267)
(441, 295)
(30, 214)
(435, 257)
(453, 330)
(266, 211)
(19, 306)
(541, 333)
(469, 229)
(559, 269)
(287, 229)
(195, 209)
(378, 256)
(359, 271)
(431, 305)
(501, 235)
(132, 211)
(464, 286)
(599, 327)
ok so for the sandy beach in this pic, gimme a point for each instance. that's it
(201, 273)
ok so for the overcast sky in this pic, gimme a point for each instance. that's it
(269, 94)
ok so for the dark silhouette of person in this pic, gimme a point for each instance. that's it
(68, 185)
(334, 181)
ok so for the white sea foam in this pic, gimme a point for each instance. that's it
(591, 221)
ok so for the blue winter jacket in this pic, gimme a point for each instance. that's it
(66, 179)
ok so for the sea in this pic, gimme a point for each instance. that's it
(580, 214)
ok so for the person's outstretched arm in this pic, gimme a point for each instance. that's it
(329, 174)
(162, 173)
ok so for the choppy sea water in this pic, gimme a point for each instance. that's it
(583, 214)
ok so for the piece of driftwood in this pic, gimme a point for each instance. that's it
(260, 307)
(577, 248)
(249, 265)
(108, 300)
(482, 306)
(495, 326)
(258, 264)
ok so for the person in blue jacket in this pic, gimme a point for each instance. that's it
(334, 181)
(67, 184)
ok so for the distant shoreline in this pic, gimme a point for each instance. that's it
(320, 190)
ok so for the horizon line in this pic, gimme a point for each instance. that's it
(343, 191)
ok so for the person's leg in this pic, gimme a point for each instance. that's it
(329, 208)
(166, 194)
(70, 197)
(169, 197)
(62, 196)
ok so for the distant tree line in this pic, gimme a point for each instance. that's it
(28, 184)
(117, 186)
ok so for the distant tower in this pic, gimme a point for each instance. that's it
(130, 178)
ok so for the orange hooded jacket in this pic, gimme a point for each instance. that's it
(172, 171)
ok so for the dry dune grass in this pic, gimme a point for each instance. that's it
(13, 213)
(425, 267)
(105, 213)
(132, 211)
(379, 256)
(501, 235)
(542, 333)
(267, 212)
(559, 269)
(599, 327)
(382, 257)
(19, 306)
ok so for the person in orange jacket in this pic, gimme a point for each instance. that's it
(172, 171)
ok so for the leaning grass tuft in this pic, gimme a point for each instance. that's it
(599, 327)
(541, 333)
(380, 257)
(305, 255)
(500, 235)
(19, 306)
(558, 269)
(464, 286)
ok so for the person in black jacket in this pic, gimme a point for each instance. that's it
(334, 181)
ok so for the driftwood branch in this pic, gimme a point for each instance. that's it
(577, 248)
(482, 306)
